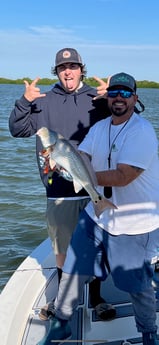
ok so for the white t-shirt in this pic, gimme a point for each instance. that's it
(137, 202)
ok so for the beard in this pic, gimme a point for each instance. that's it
(117, 111)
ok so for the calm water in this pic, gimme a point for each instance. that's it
(22, 195)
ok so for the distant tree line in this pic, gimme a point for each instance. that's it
(43, 81)
(89, 81)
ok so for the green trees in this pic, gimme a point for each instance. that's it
(90, 81)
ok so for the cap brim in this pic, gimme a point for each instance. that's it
(72, 61)
(114, 87)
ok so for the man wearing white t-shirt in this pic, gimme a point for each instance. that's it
(124, 153)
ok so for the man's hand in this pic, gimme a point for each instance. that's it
(44, 161)
(32, 91)
(102, 88)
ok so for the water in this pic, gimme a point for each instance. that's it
(22, 195)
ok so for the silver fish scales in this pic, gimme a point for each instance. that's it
(62, 153)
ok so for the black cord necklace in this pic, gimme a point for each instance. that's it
(112, 144)
(108, 189)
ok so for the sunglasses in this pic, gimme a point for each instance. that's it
(122, 93)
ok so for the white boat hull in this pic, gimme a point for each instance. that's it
(35, 283)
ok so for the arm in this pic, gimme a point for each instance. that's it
(123, 175)
(22, 121)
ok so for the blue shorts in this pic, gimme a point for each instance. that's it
(95, 252)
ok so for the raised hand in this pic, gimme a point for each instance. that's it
(102, 88)
(32, 91)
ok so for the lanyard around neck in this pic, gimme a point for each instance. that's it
(112, 144)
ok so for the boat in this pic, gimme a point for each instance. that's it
(34, 284)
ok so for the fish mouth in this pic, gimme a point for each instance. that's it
(46, 152)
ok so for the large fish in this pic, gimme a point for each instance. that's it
(61, 152)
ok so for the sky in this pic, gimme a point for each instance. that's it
(111, 36)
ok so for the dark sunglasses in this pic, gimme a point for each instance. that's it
(108, 192)
(122, 93)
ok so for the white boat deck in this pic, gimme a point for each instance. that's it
(35, 283)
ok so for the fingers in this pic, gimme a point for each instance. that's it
(26, 83)
(32, 91)
(102, 88)
(108, 81)
(100, 81)
(33, 83)
(104, 95)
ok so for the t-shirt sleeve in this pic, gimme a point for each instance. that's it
(86, 144)
(140, 147)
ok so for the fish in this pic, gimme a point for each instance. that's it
(63, 153)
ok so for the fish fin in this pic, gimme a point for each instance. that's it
(74, 143)
(60, 136)
(102, 204)
(52, 163)
(77, 186)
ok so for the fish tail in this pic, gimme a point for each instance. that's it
(101, 204)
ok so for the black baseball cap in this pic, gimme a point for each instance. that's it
(67, 55)
(122, 79)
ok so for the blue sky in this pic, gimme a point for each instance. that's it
(111, 36)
